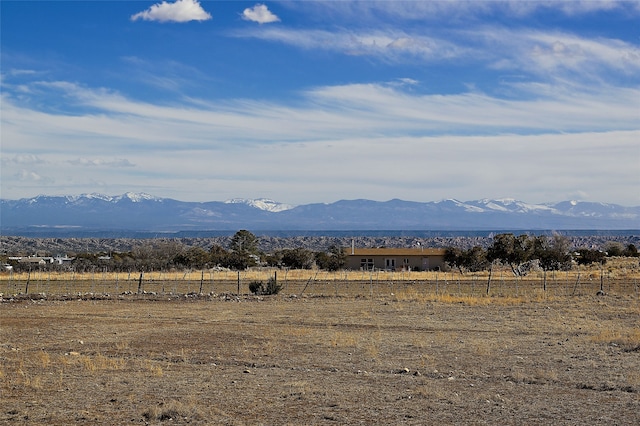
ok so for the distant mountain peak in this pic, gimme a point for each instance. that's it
(265, 204)
(136, 197)
(130, 196)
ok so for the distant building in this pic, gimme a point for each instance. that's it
(395, 259)
(35, 260)
(40, 260)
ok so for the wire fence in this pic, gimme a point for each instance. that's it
(323, 283)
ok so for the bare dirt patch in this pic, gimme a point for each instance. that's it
(395, 359)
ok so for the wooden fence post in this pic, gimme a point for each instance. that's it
(489, 280)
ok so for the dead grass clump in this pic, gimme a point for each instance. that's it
(343, 340)
(538, 376)
(94, 363)
(628, 339)
(153, 368)
(296, 331)
(411, 295)
(44, 359)
(173, 411)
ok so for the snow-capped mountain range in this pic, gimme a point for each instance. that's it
(144, 212)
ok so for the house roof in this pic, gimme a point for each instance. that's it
(418, 251)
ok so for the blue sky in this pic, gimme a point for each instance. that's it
(308, 101)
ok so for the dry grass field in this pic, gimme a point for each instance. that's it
(330, 350)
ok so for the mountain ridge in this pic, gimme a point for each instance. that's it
(142, 211)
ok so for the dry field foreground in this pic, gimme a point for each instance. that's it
(406, 358)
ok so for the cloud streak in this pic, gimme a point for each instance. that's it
(100, 162)
(538, 53)
(333, 111)
(460, 10)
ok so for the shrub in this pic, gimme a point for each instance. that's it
(258, 287)
(272, 287)
(255, 287)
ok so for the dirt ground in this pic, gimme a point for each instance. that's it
(279, 360)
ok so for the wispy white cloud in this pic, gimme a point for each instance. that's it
(166, 75)
(179, 11)
(543, 55)
(101, 162)
(260, 14)
(32, 176)
(16, 72)
(391, 44)
(457, 10)
(334, 111)
(549, 53)
(333, 137)
(21, 159)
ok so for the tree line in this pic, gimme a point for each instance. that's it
(520, 253)
(523, 252)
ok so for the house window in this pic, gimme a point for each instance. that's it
(390, 263)
(366, 264)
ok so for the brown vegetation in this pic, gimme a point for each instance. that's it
(388, 349)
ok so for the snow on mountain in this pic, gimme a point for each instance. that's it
(459, 204)
(137, 197)
(511, 205)
(140, 211)
(261, 204)
(134, 197)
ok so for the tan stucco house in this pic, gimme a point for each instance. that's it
(395, 259)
